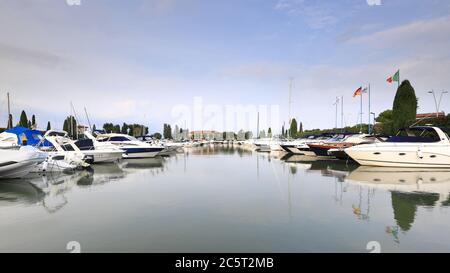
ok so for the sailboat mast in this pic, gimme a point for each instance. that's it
(289, 106)
(342, 112)
(257, 127)
(87, 117)
(9, 113)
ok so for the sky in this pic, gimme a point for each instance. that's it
(141, 61)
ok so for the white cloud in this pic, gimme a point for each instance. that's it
(422, 33)
(316, 14)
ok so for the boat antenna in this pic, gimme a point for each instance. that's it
(87, 117)
(9, 126)
(76, 119)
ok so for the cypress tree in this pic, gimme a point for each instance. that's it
(66, 126)
(33, 120)
(10, 121)
(23, 119)
(293, 129)
(49, 127)
(404, 109)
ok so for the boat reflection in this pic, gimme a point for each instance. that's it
(410, 189)
(49, 190)
(436, 181)
(14, 192)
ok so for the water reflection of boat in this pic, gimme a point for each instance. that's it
(403, 179)
(144, 163)
(102, 174)
(13, 192)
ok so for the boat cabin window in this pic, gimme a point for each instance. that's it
(447, 132)
(118, 138)
(418, 134)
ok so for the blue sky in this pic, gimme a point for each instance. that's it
(134, 61)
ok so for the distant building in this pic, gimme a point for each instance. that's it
(218, 136)
(431, 115)
(202, 135)
(81, 129)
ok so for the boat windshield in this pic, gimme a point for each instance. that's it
(416, 134)
(447, 132)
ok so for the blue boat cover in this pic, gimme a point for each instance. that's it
(32, 136)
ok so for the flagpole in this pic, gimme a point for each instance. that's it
(369, 124)
(361, 113)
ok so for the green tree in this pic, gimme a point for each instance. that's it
(282, 131)
(293, 130)
(33, 121)
(94, 128)
(10, 121)
(269, 132)
(157, 135)
(300, 129)
(70, 126)
(49, 126)
(23, 119)
(385, 116)
(404, 110)
(125, 128)
(167, 132)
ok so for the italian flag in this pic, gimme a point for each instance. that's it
(395, 78)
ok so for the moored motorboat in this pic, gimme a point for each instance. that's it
(132, 147)
(17, 163)
(418, 147)
(341, 141)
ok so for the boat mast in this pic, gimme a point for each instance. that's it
(370, 123)
(9, 126)
(257, 127)
(87, 117)
(342, 113)
(76, 119)
(291, 79)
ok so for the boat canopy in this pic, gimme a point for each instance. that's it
(32, 137)
(416, 134)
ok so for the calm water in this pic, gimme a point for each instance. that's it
(228, 200)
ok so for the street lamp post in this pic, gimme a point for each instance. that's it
(436, 102)
(372, 113)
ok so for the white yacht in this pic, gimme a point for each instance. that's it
(268, 145)
(16, 163)
(419, 147)
(169, 147)
(132, 147)
(93, 152)
(52, 163)
(300, 146)
(63, 149)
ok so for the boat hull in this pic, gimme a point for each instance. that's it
(141, 153)
(407, 156)
(16, 169)
(98, 156)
